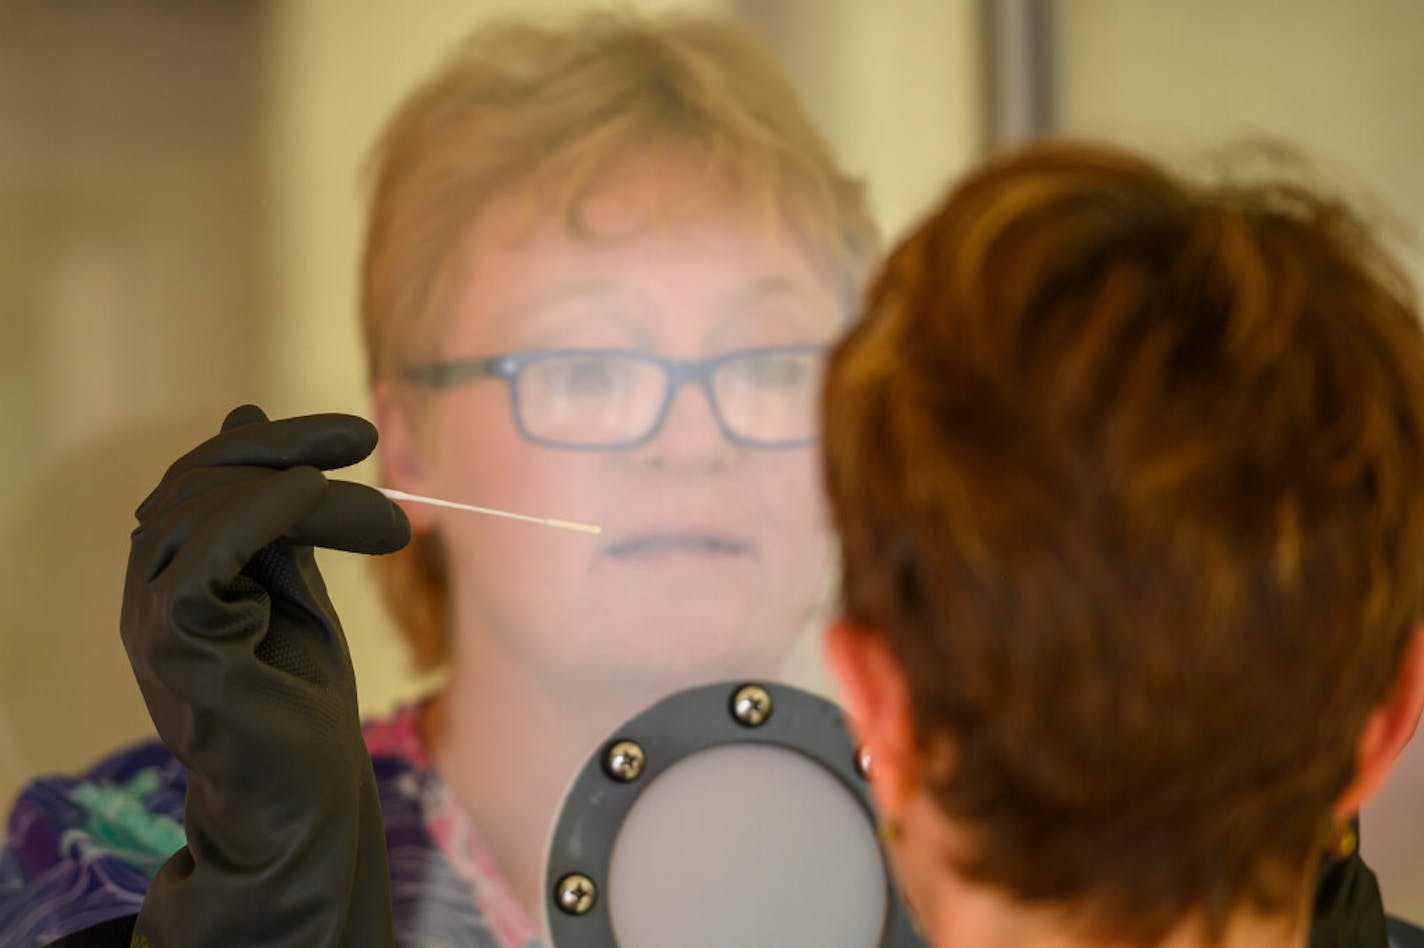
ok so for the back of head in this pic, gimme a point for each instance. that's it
(1126, 471)
(546, 109)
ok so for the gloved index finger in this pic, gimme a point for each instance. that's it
(325, 441)
(355, 518)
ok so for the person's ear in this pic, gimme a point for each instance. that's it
(876, 697)
(1388, 729)
(402, 466)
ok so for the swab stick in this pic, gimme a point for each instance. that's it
(394, 494)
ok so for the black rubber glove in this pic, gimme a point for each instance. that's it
(247, 677)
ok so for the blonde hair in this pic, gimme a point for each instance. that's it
(525, 105)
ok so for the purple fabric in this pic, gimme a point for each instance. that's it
(80, 850)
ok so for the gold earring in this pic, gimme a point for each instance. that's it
(1342, 840)
(863, 763)
(889, 831)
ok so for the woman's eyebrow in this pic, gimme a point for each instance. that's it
(769, 285)
(742, 305)
(524, 305)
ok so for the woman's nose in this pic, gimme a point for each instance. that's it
(690, 436)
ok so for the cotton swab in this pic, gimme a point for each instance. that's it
(394, 494)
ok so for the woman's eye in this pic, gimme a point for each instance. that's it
(773, 371)
(587, 376)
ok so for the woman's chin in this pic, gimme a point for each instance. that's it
(656, 655)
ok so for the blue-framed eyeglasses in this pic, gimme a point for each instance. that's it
(609, 399)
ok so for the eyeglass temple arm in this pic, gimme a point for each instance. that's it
(444, 374)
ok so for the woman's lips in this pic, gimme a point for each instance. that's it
(659, 543)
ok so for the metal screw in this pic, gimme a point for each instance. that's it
(751, 705)
(624, 761)
(575, 894)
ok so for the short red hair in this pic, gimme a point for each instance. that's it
(1128, 474)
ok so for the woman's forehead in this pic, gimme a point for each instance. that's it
(623, 197)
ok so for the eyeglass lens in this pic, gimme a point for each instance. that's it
(591, 399)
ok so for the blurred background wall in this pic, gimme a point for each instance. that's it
(180, 217)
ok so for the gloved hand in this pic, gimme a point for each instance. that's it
(246, 673)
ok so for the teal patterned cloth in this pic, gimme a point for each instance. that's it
(81, 850)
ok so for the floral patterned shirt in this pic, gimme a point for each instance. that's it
(80, 850)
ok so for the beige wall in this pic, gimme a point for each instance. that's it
(1342, 80)
(128, 290)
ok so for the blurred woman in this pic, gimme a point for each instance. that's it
(602, 265)
(601, 269)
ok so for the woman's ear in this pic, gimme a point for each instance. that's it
(401, 464)
(876, 698)
(1388, 729)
